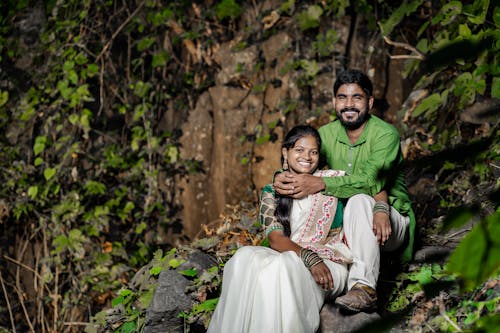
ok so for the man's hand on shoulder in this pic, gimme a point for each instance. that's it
(283, 183)
(302, 185)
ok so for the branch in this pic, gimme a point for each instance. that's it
(8, 304)
(120, 28)
(29, 269)
(418, 55)
(402, 56)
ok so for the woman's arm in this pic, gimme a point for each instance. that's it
(281, 243)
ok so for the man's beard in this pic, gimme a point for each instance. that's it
(353, 124)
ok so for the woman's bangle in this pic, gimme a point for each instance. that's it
(310, 258)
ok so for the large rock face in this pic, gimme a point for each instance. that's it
(236, 127)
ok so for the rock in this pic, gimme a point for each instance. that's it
(198, 260)
(332, 320)
(169, 299)
(234, 63)
(431, 254)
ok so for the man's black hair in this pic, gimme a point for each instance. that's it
(353, 76)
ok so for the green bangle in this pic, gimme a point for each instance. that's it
(272, 228)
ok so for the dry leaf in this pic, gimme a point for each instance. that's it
(270, 20)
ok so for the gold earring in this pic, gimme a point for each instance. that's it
(285, 164)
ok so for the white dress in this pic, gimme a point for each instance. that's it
(265, 291)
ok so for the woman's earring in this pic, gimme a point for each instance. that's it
(285, 164)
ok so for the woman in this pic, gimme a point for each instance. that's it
(282, 288)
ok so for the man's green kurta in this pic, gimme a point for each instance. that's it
(371, 164)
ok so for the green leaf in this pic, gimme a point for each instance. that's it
(429, 105)
(93, 187)
(140, 228)
(228, 8)
(189, 272)
(495, 87)
(450, 11)
(311, 67)
(477, 257)
(496, 15)
(309, 18)
(117, 300)
(125, 292)
(464, 31)
(60, 243)
(49, 173)
(145, 43)
(458, 218)
(146, 298)
(33, 191)
(476, 12)
(424, 276)
(72, 76)
(92, 69)
(4, 97)
(68, 65)
(208, 305)
(263, 139)
(160, 59)
(39, 145)
(155, 271)
(174, 263)
(397, 16)
(38, 161)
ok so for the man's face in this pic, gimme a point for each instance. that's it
(352, 105)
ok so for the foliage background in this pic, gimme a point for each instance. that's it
(89, 162)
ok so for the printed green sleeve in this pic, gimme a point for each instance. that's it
(266, 211)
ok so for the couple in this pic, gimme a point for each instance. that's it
(325, 228)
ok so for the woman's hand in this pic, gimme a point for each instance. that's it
(322, 276)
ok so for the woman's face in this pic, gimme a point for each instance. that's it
(303, 157)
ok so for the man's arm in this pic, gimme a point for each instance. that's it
(370, 175)
(297, 186)
(381, 222)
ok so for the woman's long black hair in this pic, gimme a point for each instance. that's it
(283, 203)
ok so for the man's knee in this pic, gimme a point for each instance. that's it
(359, 200)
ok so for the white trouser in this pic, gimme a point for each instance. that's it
(358, 222)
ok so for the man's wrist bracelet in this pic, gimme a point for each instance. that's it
(381, 206)
(310, 258)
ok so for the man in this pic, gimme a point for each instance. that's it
(378, 213)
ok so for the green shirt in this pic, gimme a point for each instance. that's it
(371, 164)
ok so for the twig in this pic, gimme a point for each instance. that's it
(75, 323)
(403, 56)
(101, 88)
(23, 266)
(8, 304)
(430, 327)
(120, 28)
(405, 46)
(28, 268)
(442, 312)
(455, 326)
(55, 298)
(25, 311)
